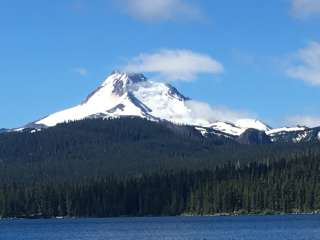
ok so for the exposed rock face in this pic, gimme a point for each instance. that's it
(253, 136)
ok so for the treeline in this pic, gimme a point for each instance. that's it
(282, 186)
(125, 147)
(97, 147)
(135, 167)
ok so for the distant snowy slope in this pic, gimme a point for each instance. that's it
(252, 123)
(285, 130)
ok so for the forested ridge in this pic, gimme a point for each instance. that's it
(134, 167)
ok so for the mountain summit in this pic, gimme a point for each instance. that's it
(132, 94)
(128, 94)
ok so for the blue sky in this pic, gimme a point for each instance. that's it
(258, 57)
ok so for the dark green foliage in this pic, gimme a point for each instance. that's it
(284, 186)
(93, 148)
(135, 167)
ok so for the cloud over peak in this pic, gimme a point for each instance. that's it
(307, 64)
(213, 113)
(159, 10)
(175, 65)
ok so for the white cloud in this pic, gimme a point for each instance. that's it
(202, 110)
(175, 65)
(307, 67)
(305, 8)
(157, 10)
(309, 121)
(80, 71)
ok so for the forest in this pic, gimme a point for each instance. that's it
(135, 167)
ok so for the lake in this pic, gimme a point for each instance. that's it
(288, 227)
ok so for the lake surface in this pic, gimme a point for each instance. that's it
(302, 227)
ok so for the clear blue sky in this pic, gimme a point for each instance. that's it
(53, 53)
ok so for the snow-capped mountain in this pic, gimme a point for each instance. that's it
(130, 94)
(123, 94)
(239, 127)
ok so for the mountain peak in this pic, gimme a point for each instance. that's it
(124, 77)
(132, 94)
(127, 94)
(247, 123)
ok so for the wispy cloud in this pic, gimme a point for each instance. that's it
(175, 65)
(306, 64)
(302, 120)
(159, 10)
(81, 71)
(202, 110)
(305, 8)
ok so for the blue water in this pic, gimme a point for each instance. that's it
(306, 227)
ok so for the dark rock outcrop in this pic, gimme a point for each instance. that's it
(253, 136)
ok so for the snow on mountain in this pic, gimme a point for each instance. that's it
(228, 128)
(123, 94)
(285, 130)
(112, 98)
(294, 134)
(239, 127)
(252, 123)
(130, 94)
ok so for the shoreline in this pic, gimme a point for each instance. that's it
(164, 216)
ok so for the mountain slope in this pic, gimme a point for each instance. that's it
(127, 146)
(3, 130)
(129, 94)
(124, 94)
(134, 167)
(133, 95)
